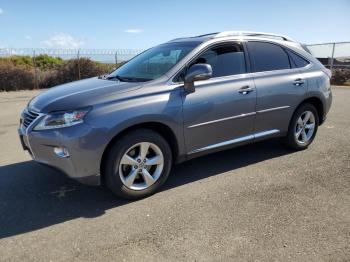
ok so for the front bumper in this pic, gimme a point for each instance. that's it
(81, 141)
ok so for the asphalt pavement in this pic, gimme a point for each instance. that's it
(259, 202)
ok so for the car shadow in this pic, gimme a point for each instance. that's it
(33, 196)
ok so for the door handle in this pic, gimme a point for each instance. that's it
(298, 82)
(245, 90)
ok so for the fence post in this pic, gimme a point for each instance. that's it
(116, 58)
(78, 57)
(332, 60)
(36, 85)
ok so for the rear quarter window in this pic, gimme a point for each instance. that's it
(296, 60)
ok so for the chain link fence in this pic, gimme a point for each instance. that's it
(107, 56)
(332, 55)
(336, 57)
(32, 68)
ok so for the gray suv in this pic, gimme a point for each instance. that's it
(181, 99)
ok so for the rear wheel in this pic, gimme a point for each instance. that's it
(303, 127)
(138, 164)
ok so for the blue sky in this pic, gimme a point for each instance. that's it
(141, 24)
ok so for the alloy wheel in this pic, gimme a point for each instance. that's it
(305, 127)
(141, 166)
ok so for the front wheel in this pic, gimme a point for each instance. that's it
(138, 164)
(303, 127)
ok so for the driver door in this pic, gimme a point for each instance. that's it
(221, 111)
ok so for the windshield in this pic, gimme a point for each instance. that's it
(153, 63)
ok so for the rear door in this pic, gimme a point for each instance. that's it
(279, 84)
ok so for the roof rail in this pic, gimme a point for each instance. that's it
(209, 34)
(250, 33)
(181, 38)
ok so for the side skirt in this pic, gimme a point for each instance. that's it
(239, 140)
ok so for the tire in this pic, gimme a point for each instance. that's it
(292, 140)
(120, 166)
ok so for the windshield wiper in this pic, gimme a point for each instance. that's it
(122, 79)
(128, 79)
(136, 79)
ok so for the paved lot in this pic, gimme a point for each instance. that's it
(258, 203)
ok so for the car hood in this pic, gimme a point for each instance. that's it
(80, 94)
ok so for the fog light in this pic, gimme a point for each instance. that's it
(61, 151)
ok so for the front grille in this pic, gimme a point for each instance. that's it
(28, 117)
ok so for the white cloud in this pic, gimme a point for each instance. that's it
(133, 30)
(28, 37)
(63, 40)
(1, 11)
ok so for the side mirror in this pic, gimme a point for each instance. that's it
(195, 73)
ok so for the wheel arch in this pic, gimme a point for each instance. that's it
(317, 103)
(159, 127)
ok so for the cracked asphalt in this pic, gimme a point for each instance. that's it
(259, 202)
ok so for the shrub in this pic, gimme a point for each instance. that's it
(45, 62)
(25, 61)
(78, 69)
(14, 77)
(18, 72)
(73, 70)
(340, 77)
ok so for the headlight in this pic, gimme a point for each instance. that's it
(62, 119)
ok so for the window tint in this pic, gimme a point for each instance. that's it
(296, 60)
(267, 57)
(225, 60)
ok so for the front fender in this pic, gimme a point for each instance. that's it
(113, 118)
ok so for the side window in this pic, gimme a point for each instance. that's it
(296, 60)
(225, 60)
(268, 57)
